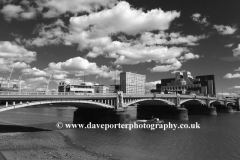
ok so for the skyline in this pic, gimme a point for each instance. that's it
(92, 38)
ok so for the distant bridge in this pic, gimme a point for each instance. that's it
(116, 101)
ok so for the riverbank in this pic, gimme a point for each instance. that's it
(43, 145)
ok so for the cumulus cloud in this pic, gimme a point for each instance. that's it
(236, 51)
(173, 38)
(11, 11)
(37, 80)
(103, 33)
(230, 75)
(58, 7)
(238, 69)
(200, 19)
(76, 66)
(151, 85)
(229, 45)
(111, 21)
(189, 56)
(12, 54)
(165, 68)
(27, 9)
(225, 30)
(79, 66)
(35, 72)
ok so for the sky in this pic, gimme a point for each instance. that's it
(98, 39)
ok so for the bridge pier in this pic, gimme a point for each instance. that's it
(223, 109)
(212, 111)
(199, 109)
(100, 116)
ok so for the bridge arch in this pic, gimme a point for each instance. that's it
(212, 101)
(141, 100)
(55, 102)
(230, 103)
(187, 100)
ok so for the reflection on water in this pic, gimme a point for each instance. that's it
(218, 137)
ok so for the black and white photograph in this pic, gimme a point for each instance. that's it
(119, 79)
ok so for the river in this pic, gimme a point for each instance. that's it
(218, 138)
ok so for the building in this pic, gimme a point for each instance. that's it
(132, 83)
(208, 82)
(75, 88)
(101, 89)
(114, 88)
(184, 83)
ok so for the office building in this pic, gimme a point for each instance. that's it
(75, 88)
(184, 83)
(101, 89)
(132, 83)
(114, 88)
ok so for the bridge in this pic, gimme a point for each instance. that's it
(116, 101)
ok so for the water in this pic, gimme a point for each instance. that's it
(218, 138)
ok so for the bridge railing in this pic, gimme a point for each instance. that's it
(54, 93)
(68, 93)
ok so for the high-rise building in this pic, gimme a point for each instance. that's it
(132, 83)
(209, 82)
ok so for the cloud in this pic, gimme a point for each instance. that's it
(173, 38)
(151, 85)
(59, 76)
(51, 8)
(165, 68)
(188, 56)
(111, 21)
(11, 11)
(52, 34)
(229, 45)
(78, 81)
(12, 54)
(75, 66)
(37, 80)
(79, 66)
(236, 51)
(197, 18)
(230, 75)
(96, 32)
(234, 87)
(102, 33)
(35, 72)
(225, 30)
(59, 7)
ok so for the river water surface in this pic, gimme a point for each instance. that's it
(218, 138)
